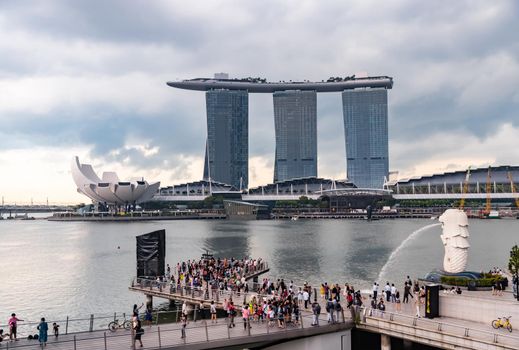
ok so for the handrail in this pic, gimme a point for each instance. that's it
(195, 333)
(439, 326)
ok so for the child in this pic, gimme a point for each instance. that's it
(55, 327)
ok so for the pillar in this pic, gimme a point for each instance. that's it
(385, 342)
(408, 345)
(149, 302)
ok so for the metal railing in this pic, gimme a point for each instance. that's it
(456, 330)
(171, 334)
(92, 323)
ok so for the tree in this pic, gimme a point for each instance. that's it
(513, 267)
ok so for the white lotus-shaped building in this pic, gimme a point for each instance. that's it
(109, 189)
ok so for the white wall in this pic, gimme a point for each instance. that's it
(329, 341)
(472, 308)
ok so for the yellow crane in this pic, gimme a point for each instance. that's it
(488, 205)
(465, 189)
(512, 188)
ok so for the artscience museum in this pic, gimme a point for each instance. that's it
(108, 189)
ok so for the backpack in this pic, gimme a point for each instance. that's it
(318, 309)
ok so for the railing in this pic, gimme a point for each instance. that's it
(170, 335)
(92, 323)
(440, 326)
(201, 293)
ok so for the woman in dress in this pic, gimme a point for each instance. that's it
(43, 328)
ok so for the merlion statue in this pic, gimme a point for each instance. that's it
(454, 237)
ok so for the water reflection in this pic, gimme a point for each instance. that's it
(228, 239)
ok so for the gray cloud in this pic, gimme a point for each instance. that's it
(101, 67)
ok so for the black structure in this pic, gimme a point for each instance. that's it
(432, 301)
(151, 253)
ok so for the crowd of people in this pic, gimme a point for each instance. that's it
(391, 294)
(213, 273)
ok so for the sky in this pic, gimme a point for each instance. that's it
(88, 78)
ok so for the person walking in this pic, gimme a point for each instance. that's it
(183, 322)
(138, 331)
(407, 292)
(316, 310)
(232, 313)
(13, 323)
(43, 328)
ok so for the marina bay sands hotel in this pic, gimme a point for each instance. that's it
(364, 102)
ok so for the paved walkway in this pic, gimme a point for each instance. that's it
(463, 328)
(169, 335)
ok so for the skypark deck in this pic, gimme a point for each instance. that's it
(257, 85)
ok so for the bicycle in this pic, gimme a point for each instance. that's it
(115, 325)
(502, 322)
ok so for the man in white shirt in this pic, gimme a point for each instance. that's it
(393, 293)
(375, 290)
(306, 297)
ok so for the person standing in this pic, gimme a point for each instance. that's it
(306, 297)
(13, 322)
(375, 290)
(397, 301)
(393, 293)
(148, 317)
(138, 332)
(55, 328)
(417, 305)
(43, 328)
(213, 312)
(387, 290)
(338, 309)
(245, 315)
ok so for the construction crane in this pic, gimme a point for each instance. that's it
(488, 188)
(465, 189)
(512, 188)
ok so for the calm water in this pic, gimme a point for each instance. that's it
(75, 269)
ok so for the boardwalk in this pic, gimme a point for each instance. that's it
(199, 335)
(196, 295)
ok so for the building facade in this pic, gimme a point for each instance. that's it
(227, 150)
(366, 134)
(295, 119)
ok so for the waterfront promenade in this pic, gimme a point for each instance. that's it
(199, 335)
(442, 332)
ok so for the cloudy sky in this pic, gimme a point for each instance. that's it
(88, 78)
